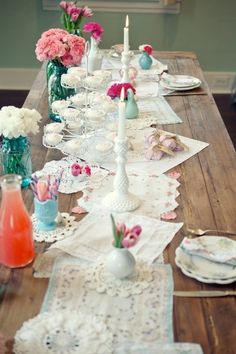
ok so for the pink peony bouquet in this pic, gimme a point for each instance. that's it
(95, 29)
(125, 237)
(77, 170)
(115, 90)
(146, 48)
(72, 15)
(58, 45)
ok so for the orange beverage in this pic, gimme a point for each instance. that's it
(16, 231)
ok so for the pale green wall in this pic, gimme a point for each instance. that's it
(204, 26)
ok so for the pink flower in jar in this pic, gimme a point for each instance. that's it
(87, 12)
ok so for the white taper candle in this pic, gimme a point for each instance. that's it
(126, 35)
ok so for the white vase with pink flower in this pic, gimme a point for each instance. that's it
(95, 56)
(121, 262)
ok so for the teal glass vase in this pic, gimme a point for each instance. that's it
(145, 61)
(16, 158)
(55, 90)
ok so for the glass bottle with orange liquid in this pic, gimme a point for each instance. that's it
(16, 231)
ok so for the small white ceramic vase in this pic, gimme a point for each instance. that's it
(120, 262)
(94, 57)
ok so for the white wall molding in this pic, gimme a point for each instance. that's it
(147, 6)
(22, 79)
(220, 82)
(17, 78)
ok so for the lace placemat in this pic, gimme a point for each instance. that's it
(59, 332)
(170, 348)
(137, 161)
(157, 194)
(153, 111)
(91, 242)
(70, 184)
(146, 317)
(65, 228)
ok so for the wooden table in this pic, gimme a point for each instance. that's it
(207, 199)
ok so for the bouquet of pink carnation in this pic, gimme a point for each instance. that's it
(115, 90)
(58, 45)
(95, 29)
(72, 15)
(77, 169)
(125, 237)
(146, 48)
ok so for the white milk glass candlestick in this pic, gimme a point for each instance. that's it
(121, 200)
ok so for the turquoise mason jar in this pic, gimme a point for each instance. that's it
(145, 61)
(55, 90)
(16, 158)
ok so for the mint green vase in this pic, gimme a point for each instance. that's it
(131, 107)
(145, 61)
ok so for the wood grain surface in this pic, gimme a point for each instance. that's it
(206, 200)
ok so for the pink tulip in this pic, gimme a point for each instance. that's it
(121, 228)
(137, 229)
(63, 5)
(129, 240)
(87, 12)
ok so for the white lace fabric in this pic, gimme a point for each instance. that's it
(70, 184)
(157, 194)
(91, 242)
(145, 317)
(58, 332)
(65, 228)
(98, 278)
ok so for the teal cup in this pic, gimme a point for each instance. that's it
(46, 213)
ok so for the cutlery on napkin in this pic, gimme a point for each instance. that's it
(205, 293)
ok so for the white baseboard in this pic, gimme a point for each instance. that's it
(220, 82)
(22, 79)
(17, 78)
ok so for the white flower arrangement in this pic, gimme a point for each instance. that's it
(15, 122)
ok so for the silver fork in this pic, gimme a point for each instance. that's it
(200, 232)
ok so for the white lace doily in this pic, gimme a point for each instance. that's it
(70, 184)
(65, 228)
(60, 332)
(157, 194)
(99, 279)
(146, 317)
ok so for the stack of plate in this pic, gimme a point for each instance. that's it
(179, 82)
(209, 259)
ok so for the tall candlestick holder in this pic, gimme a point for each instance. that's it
(121, 200)
(125, 60)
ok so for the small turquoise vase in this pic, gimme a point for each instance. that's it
(55, 90)
(16, 158)
(131, 107)
(46, 213)
(145, 61)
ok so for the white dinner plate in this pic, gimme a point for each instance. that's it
(180, 80)
(204, 270)
(183, 88)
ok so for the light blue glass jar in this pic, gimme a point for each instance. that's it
(16, 158)
(55, 90)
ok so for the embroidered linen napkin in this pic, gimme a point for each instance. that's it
(214, 248)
